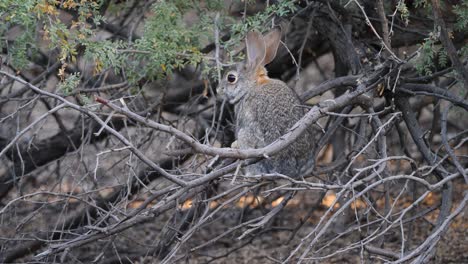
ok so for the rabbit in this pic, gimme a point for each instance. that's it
(265, 109)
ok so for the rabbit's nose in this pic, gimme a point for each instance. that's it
(219, 90)
(220, 95)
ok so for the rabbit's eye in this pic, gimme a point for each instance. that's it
(231, 77)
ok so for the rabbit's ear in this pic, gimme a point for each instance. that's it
(255, 49)
(272, 41)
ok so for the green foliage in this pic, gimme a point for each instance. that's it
(404, 12)
(26, 15)
(68, 37)
(426, 57)
(258, 21)
(18, 14)
(105, 55)
(22, 49)
(442, 58)
(167, 43)
(431, 56)
(86, 100)
(462, 16)
(69, 83)
(15, 12)
(421, 3)
(464, 51)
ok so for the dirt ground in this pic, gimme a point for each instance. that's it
(275, 245)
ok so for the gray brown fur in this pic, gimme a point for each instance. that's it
(265, 109)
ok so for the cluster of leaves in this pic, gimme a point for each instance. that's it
(69, 37)
(462, 16)
(402, 8)
(461, 10)
(421, 3)
(28, 15)
(70, 83)
(258, 21)
(168, 43)
(14, 13)
(432, 56)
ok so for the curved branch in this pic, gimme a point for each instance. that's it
(425, 89)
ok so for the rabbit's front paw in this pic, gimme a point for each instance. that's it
(235, 145)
